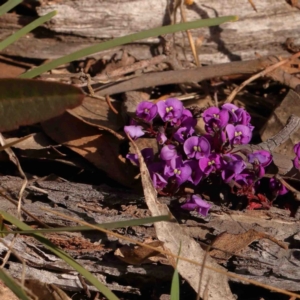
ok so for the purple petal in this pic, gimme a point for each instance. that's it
(134, 131)
(261, 157)
(230, 130)
(146, 110)
(189, 206)
(185, 173)
(196, 147)
(197, 174)
(297, 150)
(168, 152)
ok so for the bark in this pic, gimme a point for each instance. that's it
(262, 260)
(82, 23)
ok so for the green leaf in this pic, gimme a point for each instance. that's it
(126, 40)
(64, 256)
(14, 37)
(7, 6)
(111, 225)
(175, 286)
(13, 285)
(25, 101)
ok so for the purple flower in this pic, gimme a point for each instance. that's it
(195, 202)
(180, 134)
(170, 110)
(187, 120)
(178, 169)
(231, 109)
(246, 177)
(168, 152)
(260, 157)
(211, 163)
(134, 131)
(297, 158)
(243, 117)
(147, 154)
(234, 166)
(161, 136)
(156, 172)
(238, 116)
(277, 187)
(237, 135)
(196, 147)
(197, 174)
(215, 118)
(146, 110)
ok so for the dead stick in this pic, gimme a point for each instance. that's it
(190, 75)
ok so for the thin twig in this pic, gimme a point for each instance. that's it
(260, 74)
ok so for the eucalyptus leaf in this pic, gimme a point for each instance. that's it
(27, 101)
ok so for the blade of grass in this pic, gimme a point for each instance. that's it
(14, 37)
(64, 256)
(175, 286)
(126, 40)
(13, 285)
(7, 6)
(111, 225)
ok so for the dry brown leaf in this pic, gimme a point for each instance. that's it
(45, 291)
(139, 255)
(174, 236)
(36, 141)
(98, 147)
(97, 112)
(6, 293)
(229, 244)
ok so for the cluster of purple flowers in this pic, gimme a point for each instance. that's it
(187, 157)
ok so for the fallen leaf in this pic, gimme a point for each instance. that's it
(228, 244)
(97, 146)
(45, 291)
(97, 112)
(175, 237)
(6, 293)
(29, 101)
(139, 254)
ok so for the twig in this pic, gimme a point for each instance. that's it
(260, 74)
(190, 75)
(107, 98)
(289, 187)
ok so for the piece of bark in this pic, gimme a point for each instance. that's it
(80, 23)
(290, 105)
(94, 250)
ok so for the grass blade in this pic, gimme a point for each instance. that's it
(64, 256)
(126, 40)
(111, 225)
(13, 285)
(8, 6)
(175, 286)
(14, 37)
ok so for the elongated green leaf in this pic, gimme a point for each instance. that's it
(12, 285)
(26, 101)
(175, 286)
(14, 37)
(64, 256)
(125, 40)
(7, 6)
(111, 225)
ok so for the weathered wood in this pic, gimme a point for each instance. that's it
(81, 23)
(94, 250)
